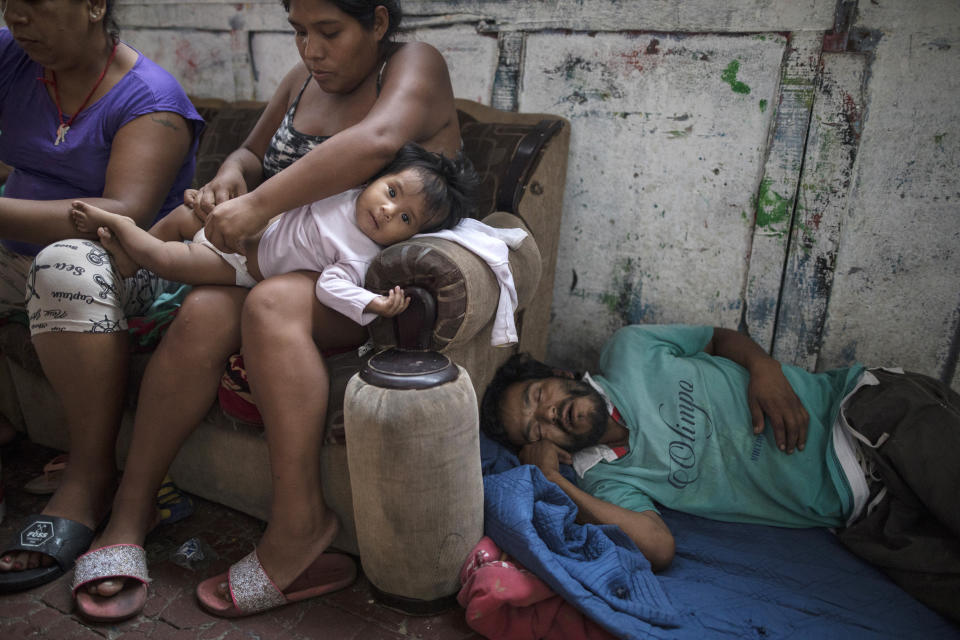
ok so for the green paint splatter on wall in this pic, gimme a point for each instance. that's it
(611, 301)
(729, 76)
(763, 106)
(938, 138)
(772, 210)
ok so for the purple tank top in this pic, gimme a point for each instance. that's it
(77, 167)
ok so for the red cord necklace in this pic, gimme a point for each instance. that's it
(65, 126)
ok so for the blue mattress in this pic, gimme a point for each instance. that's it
(753, 581)
(726, 581)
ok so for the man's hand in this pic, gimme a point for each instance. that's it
(545, 455)
(646, 529)
(232, 221)
(769, 392)
(390, 305)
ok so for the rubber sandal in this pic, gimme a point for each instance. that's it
(252, 591)
(52, 472)
(60, 538)
(173, 505)
(112, 562)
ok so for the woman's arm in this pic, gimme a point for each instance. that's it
(415, 103)
(243, 168)
(145, 157)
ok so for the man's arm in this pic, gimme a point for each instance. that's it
(769, 393)
(647, 530)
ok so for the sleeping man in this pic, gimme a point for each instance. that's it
(702, 420)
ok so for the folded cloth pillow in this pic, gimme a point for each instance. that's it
(505, 601)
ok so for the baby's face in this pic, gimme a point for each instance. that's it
(391, 209)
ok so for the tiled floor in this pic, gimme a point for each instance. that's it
(171, 611)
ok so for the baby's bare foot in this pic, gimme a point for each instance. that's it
(122, 262)
(88, 217)
(81, 220)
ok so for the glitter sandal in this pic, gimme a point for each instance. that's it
(252, 591)
(115, 561)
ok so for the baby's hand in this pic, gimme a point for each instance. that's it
(191, 199)
(390, 305)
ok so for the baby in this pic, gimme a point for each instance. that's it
(338, 236)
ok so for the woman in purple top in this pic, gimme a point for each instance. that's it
(82, 115)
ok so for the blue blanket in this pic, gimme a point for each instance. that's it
(726, 580)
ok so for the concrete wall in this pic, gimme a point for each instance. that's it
(789, 167)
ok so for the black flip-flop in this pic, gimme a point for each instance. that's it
(60, 538)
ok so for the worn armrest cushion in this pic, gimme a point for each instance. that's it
(463, 286)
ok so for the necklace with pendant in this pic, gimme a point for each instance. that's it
(65, 126)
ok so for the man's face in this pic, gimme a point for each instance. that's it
(569, 413)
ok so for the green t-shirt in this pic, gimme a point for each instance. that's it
(692, 446)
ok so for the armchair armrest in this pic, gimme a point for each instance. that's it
(463, 287)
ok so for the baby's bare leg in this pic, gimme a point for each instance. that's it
(126, 266)
(173, 260)
(85, 219)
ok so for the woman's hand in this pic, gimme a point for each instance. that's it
(232, 221)
(390, 305)
(227, 185)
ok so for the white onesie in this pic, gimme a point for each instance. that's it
(323, 237)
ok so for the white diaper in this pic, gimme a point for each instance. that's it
(236, 260)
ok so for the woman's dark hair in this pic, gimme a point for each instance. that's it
(363, 11)
(109, 21)
(520, 367)
(449, 186)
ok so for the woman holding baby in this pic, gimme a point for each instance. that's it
(336, 119)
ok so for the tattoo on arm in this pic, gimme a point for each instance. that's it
(164, 122)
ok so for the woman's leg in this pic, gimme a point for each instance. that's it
(77, 304)
(178, 388)
(283, 324)
(92, 401)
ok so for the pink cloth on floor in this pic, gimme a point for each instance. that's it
(506, 602)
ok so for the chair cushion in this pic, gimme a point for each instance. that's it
(502, 154)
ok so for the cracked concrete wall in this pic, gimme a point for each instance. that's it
(786, 167)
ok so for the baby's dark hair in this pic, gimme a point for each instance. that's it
(520, 367)
(449, 186)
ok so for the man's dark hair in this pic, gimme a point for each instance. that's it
(449, 186)
(520, 367)
(363, 12)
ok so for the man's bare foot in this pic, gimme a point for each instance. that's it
(122, 262)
